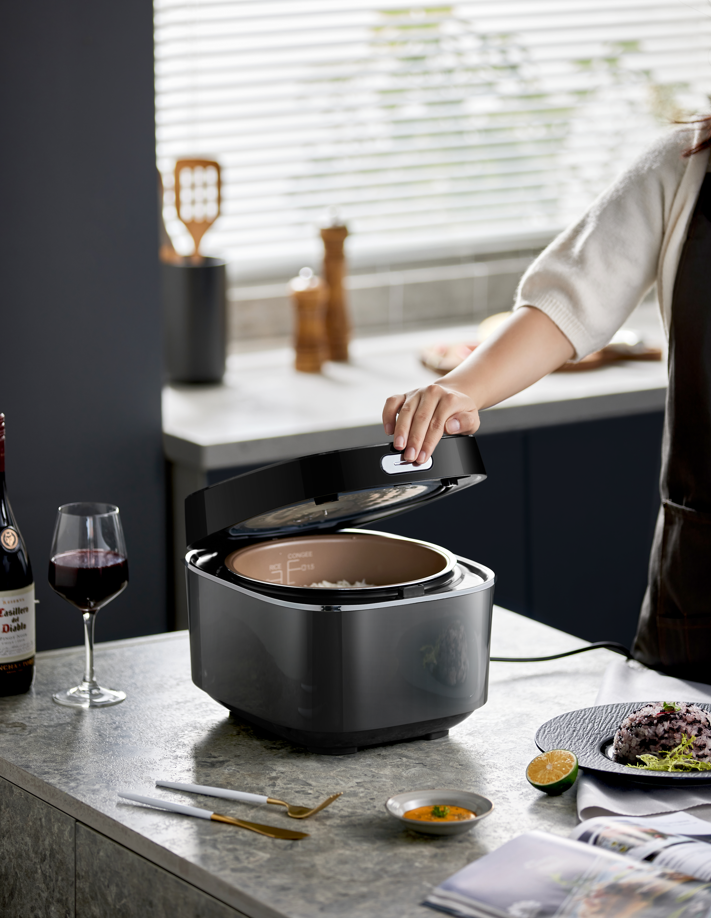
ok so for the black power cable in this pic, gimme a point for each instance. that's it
(609, 645)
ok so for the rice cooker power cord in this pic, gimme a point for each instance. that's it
(596, 645)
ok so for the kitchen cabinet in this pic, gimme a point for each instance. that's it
(593, 500)
(36, 854)
(113, 880)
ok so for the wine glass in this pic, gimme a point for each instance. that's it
(88, 567)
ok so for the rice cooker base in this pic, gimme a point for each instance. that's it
(339, 678)
(350, 743)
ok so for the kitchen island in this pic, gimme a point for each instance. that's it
(69, 848)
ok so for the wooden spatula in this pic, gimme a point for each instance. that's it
(197, 197)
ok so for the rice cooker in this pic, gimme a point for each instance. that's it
(331, 636)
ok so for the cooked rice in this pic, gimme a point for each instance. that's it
(340, 584)
(651, 729)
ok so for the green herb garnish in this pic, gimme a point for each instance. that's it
(670, 706)
(677, 759)
(440, 811)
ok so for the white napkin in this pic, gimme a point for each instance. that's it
(630, 681)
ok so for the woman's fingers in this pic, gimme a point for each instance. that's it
(403, 417)
(390, 412)
(419, 418)
(427, 423)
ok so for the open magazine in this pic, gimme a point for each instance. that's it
(612, 866)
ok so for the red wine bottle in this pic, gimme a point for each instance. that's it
(17, 597)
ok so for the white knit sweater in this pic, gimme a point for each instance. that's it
(595, 273)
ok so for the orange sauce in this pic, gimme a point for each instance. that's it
(439, 813)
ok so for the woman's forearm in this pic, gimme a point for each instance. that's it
(523, 350)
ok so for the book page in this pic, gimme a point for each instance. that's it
(544, 876)
(641, 839)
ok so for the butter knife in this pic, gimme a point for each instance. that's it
(296, 812)
(241, 796)
(271, 831)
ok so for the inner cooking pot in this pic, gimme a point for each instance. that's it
(378, 559)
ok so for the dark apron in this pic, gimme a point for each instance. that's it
(674, 631)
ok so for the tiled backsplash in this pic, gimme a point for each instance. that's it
(394, 299)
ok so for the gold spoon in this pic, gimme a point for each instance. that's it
(303, 812)
(296, 812)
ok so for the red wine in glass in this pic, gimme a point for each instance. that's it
(88, 567)
(88, 578)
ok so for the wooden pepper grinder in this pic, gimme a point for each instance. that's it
(338, 327)
(308, 294)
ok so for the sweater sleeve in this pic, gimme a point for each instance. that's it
(595, 273)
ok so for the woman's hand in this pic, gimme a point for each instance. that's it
(419, 418)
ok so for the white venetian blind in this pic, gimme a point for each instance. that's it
(423, 123)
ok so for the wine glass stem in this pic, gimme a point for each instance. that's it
(89, 680)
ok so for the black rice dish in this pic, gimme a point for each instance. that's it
(660, 727)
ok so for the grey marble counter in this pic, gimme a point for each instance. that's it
(357, 861)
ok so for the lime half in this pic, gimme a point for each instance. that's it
(554, 771)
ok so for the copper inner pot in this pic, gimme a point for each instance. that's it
(378, 559)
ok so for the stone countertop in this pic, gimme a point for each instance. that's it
(266, 411)
(357, 861)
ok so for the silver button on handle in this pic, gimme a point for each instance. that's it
(394, 464)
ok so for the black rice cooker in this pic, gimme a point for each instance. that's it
(325, 634)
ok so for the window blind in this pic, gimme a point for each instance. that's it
(424, 124)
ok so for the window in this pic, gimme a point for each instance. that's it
(429, 127)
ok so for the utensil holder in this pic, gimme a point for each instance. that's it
(195, 320)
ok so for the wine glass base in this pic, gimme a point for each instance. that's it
(85, 697)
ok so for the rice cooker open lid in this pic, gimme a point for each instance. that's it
(328, 491)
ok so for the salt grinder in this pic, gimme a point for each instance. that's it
(308, 293)
(338, 329)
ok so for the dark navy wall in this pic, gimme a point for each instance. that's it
(80, 371)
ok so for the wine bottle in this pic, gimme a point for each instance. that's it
(17, 597)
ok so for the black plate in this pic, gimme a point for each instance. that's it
(588, 733)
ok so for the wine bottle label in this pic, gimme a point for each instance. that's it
(17, 624)
(10, 539)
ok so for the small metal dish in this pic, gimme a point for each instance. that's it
(398, 805)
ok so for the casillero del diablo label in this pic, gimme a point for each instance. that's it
(17, 624)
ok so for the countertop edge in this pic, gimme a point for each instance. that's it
(138, 844)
